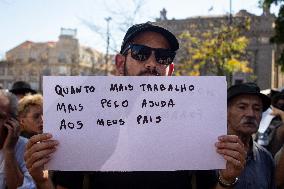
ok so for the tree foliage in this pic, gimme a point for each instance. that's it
(278, 38)
(218, 51)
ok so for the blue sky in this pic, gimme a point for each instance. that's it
(41, 20)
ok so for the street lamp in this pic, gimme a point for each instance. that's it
(108, 19)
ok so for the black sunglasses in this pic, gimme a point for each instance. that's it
(142, 53)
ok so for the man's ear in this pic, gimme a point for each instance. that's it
(171, 69)
(119, 63)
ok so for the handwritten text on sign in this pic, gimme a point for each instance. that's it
(135, 123)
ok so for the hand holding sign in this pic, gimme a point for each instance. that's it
(38, 152)
(232, 149)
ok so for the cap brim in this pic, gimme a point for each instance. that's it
(265, 99)
(22, 91)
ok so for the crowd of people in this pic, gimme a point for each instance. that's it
(147, 50)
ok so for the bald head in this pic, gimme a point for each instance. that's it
(8, 103)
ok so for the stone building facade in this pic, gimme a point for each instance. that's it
(29, 61)
(262, 53)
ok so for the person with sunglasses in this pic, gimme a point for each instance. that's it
(147, 50)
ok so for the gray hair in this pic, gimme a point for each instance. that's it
(13, 102)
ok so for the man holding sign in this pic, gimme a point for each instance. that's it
(147, 50)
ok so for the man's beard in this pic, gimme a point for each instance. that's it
(153, 72)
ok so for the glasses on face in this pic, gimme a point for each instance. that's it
(143, 53)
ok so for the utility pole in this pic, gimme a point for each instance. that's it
(230, 19)
(230, 25)
(108, 19)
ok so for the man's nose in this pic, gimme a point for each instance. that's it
(250, 112)
(151, 63)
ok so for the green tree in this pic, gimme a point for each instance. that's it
(278, 38)
(218, 51)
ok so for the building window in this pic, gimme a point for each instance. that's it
(33, 55)
(2, 71)
(19, 71)
(264, 40)
(19, 60)
(32, 59)
(62, 70)
(10, 71)
(62, 58)
(34, 78)
(32, 72)
(34, 85)
(46, 71)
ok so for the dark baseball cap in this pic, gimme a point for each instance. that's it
(22, 87)
(248, 88)
(134, 30)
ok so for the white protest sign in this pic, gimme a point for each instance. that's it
(135, 123)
